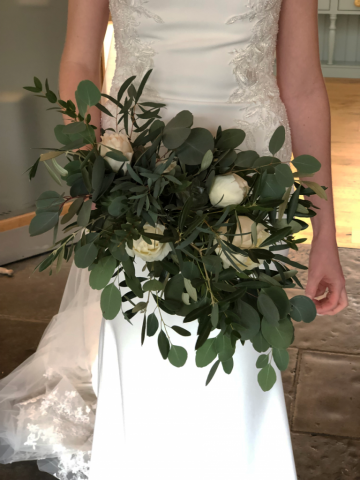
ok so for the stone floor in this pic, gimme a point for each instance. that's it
(322, 384)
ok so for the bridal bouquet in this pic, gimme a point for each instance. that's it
(207, 217)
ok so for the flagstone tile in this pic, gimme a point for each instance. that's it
(23, 471)
(18, 340)
(349, 259)
(318, 457)
(328, 395)
(339, 333)
(32, 296)
(288, 379)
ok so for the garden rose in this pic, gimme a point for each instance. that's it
(228, 190)
(244, 242)
(150, 253)
(118, 141)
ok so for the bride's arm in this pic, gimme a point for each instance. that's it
(87, 21)
(303, 91)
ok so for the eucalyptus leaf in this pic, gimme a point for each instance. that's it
(85, 255)
(102, 273)
(303, 309)
(110, 302)
(267, 378)
(206, 353)
(152, 325)
(43, 222)
(212, 372)
(277, 140)
(164, 345)
(177, 356)
(281, 358)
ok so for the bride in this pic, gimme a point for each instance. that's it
(214, 58)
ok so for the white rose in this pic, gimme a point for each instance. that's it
(228, 190)
(150, 253)
(244, 242)
(118, 141)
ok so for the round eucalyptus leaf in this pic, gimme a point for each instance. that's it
(262, 361)
(224, 347)
(230, 138)
(102, 273)
(268, 309)
(280, 299)
(279, 336)
(267, 378)
(207, 160)
(152, 325)
(177, 356)
(284, 175)
(87, 95)
(306, 164)
(85, 256)
(174, 288)
(206, 353)
(302, 309)
(192, 151)
(228, 365)
(190, 270)
(248, 324)
(259, 343)
(178, 130)
(281, 358)
(272, 188)
(110, 302)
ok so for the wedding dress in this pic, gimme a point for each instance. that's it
(155, 421)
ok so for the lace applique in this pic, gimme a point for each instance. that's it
(60, 424)
(257, 86)
(134, 56)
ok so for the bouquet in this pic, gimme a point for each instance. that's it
(206, 217)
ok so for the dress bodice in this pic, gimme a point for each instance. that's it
(205, 52)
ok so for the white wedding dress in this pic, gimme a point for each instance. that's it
(154, 421)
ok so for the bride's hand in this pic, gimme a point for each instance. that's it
(326, 276)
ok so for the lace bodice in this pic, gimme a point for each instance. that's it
(205, 52)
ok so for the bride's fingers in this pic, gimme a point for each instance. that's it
(331, 301)
(343, 303)
(312, 286)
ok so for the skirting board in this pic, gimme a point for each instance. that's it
(16, 243)
(341, 71)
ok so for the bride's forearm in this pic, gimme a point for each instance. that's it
(71, 74)
(309, 117)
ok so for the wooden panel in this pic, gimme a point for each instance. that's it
(324, 4)
(23, 220)
(348, 5)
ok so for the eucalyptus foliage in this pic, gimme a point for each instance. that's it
(167, 183)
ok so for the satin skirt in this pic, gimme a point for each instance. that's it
(157, 421)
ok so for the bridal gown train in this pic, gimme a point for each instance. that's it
(154, 421)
